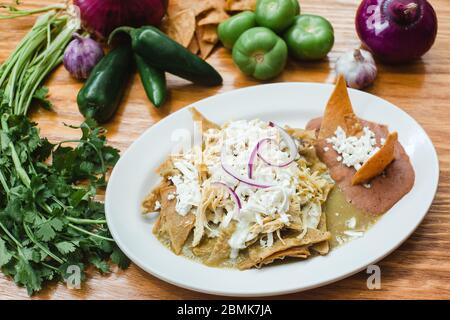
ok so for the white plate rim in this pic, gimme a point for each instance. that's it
(434, 164)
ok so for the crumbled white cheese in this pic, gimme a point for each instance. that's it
(171, 196)
(188, 191)
(367, 185)
(326, 149)
(351, 223)
(354, 151)
(157, 205)
(354, 234)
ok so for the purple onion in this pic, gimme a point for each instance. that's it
(229, 169)
(396, 30)
(101, 17)
(81, 56)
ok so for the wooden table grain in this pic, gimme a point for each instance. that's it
(418, 269)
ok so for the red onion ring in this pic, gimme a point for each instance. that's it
(231, 192)
(253, 155)
(293, 151)
(228, 169)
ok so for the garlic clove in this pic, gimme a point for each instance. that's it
(358, 68)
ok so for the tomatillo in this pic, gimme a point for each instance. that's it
(311, 37)
(231, 29)
(260, 53)
(276, 15)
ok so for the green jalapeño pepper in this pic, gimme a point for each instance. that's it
(158, 50)
(231, 29)
(276, 15)
(259, 52)
(104, 89)
(153, 80)
(310, 38)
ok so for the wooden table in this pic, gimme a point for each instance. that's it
(420, 268)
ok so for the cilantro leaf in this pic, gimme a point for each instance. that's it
(5, 255)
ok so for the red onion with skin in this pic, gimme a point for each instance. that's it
(101, 17)
(396, 30)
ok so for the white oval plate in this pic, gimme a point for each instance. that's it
(290, 104)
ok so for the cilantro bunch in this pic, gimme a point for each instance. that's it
(49, 218)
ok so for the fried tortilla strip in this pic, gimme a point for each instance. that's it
(240, 5)
(167, 168)
(176, 226)
(180, 26)
(378, 162)
(148, 205)
(221, 250)
(339, 112)
(295, 252)
(204, 249)
(257, 254)
(198, 117)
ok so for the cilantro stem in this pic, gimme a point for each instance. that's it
(10, 235)
(3, 182)
(37, 243)
(50, 267)
(85, 221)
(89, 233)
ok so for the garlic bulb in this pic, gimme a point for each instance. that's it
(358, 68)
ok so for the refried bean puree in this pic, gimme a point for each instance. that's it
(385, 190)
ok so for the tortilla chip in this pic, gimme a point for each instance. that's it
(198, 6)
(221, 250)
(193, 46)
(296, 252)
(339, 112)
(214, 16)
(207, 39)
(172, 224)
(378, 162)
(240, 5)
(180, 26)
(206, 124)
(257, 254)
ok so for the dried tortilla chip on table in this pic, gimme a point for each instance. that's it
(240, 5)
(339, 113)
(207, 39)
(378, 162)
(213, 16)
(198, 6)
(193, 46)
(180, 26)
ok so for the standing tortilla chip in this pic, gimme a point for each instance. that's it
(378, 162)
(240, 5)
(180, 26)
(339, 113)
